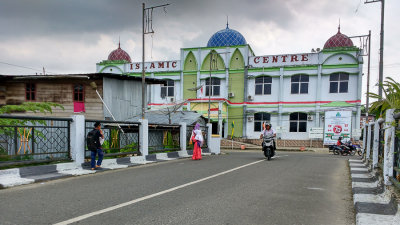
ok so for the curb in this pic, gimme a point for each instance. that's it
(33, 174)
(373, 202)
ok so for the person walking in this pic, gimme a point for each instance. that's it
(94, 145)
(197, 139)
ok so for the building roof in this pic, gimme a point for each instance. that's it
(82, 76)
(119, 54)
(226, 37)
(338, 40)
(158, 117)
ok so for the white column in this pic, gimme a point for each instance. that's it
(389, 147)
(209, 126)
(368, 142)
(376, 145)
(144, 137)
(182, 136)
(78, 135)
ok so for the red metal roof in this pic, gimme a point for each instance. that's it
(338, 40)
(119, 54)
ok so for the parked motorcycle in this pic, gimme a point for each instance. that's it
(268, 146)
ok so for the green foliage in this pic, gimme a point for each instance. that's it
(391, 89)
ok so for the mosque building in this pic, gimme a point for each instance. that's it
(290, 91)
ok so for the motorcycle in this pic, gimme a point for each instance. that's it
(268, 146)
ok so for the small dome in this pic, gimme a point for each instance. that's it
(338, 40)
(119, 54)
(226, 37)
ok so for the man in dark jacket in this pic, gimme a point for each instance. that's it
(98, 134)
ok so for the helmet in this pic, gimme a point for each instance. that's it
(268, 124)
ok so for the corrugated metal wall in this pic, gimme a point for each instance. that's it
(123, 98)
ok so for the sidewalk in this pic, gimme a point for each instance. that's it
(374, 202)
(34, 174)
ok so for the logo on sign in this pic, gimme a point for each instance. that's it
(337, 129)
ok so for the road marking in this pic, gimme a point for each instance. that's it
(79, 218)
(315, 188)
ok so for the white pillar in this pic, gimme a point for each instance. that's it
(144, 137)
(389, 147)
(375, 149)
(368, 143)
(78, 135)
(209, 134)
(182, 136)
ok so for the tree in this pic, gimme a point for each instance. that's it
(391, 89)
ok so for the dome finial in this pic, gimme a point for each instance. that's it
(339, 26)
(119, 41)
(227, 22)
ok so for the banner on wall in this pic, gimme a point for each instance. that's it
(337, 124)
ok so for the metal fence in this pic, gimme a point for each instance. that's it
(381, 145)
(396, 158)
(32, 139)
(372, 127)
(164, 138)
(121, 138)
(189, 130)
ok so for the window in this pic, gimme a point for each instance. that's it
(263, 85)
(298, 122)
(259, 119)
(214, 86)
(299, 84)
(30, 92)
(78, 93)
(339, 83)
(168, 89)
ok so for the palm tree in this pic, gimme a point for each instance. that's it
(391, 89)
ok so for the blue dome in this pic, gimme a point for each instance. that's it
(226, 37)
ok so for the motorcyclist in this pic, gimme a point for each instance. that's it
(269, 131)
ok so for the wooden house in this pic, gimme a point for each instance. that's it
(77, 93)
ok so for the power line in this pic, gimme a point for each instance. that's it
(25, 67)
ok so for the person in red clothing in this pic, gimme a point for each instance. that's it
(197, 139)
(339, 142)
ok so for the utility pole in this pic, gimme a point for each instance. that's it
(147, 28)
(381, 43)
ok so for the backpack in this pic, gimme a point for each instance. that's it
(91, 141)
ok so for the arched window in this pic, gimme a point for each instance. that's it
(298, 122)
(299, 84)
(263, 85)
(168, 89)
(79, 93)
(339, 83)
(213, 86)
(259, 119)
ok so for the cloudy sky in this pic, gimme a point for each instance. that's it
(71, 36)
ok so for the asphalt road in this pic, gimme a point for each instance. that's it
(232, 188)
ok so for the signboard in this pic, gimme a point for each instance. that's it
(316, 132)
(159, 66)
(337, 124)
(283, 60)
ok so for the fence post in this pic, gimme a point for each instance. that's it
(182, 138)
(78, 139)
(368, 143)
(209, 133)
(375, 149)
(144, 137)
(389, 147)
